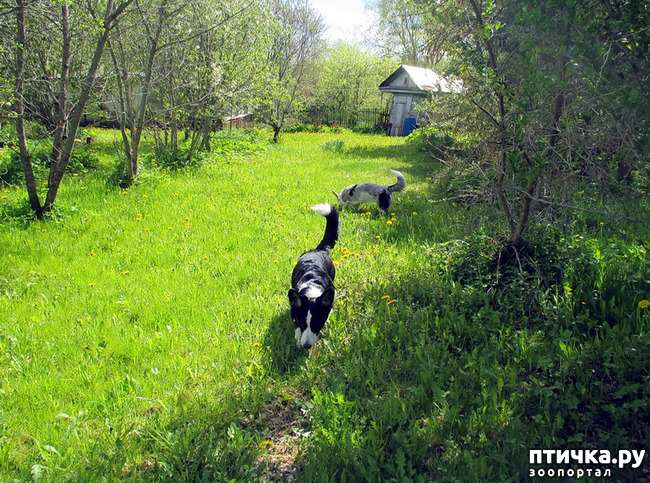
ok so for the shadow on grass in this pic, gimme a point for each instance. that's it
(457, 361)
(282, 352)
(398, 152)
(408, 158)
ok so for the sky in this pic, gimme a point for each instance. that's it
(347, 19)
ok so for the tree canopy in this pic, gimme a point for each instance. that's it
(554, 91)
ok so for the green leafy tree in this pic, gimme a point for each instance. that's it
(69, 111)
(133, 49)
(348, 79)
(209, 66)
(401, 31)
(548, 86)
(297, 43)
(226, 73)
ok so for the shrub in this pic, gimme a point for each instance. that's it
(432, 141)
(237, 142)
(11, 170)
(83, 159)
(299, 127)
(119, 176)
(367, 129)
(336, 146)
(173, 159)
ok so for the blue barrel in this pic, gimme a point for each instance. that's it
(409, 126)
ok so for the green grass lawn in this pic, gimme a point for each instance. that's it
(145, 333)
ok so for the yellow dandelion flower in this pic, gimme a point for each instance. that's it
(450, 260)
(377, 237)
(336, 262)
(257, 344)
(91, 284)
(125, 272)
(385, 297)
(415, 213)
(644, 304)
(390, 302)
(275, 261)
(389, 222)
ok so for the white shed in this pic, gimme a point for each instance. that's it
(411, 85)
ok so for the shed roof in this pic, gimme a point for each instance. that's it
(421, 81)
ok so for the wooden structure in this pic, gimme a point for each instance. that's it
(411, 85)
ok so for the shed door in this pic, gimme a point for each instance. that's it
(398, 118)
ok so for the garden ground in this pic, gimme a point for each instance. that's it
(145, 332)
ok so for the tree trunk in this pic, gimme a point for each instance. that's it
(57, 170)
(276, 132)
(138, 126)
(207, 133)
(501, 125)
(21, 46)
(60, 122)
